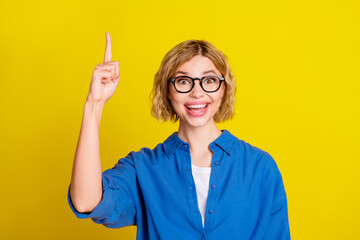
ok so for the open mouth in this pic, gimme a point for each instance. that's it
(197, 108)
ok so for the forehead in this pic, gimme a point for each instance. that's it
(197, 66)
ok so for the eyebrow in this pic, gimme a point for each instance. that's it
(186, 73)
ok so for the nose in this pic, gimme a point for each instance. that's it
(197, 91)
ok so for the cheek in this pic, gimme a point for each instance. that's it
(173, 94)
(175, 100)
(172, 97)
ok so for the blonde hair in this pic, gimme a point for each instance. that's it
(181, 53)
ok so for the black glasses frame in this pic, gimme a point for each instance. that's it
(221, 79)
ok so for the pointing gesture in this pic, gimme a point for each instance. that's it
(105, 77)
(108, 49)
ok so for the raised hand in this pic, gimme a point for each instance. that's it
(105, 77)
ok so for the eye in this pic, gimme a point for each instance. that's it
(182, 81)
(210, 80)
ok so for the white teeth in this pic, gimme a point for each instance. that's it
(196, 106)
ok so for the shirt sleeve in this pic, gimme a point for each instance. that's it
(117, 208)
(278, 227)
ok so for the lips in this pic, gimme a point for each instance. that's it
(196, 109)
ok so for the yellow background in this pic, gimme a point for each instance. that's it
(297, 66)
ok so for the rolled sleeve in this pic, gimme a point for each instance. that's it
(117, 208)
(278, 227)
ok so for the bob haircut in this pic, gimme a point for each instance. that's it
(161, 105)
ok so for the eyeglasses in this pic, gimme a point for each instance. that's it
(184, 84)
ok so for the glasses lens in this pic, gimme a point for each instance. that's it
(183, 84)
(210, 83)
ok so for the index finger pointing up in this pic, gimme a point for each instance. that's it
(108, 49)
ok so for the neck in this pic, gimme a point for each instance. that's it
(199, 138)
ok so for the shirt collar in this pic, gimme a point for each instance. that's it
(225, 141)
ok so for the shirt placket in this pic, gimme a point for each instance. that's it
(212, 193)
(190, 183)
(211, 202)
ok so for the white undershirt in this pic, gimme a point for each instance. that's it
(201, 177)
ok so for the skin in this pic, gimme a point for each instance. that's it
(86, 183)
(198, 131)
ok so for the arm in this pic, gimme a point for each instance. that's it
(279, 223)
(278, 226)
(86, 182)
(86, 185)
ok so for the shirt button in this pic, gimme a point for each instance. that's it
(217, 162)
(211, 211)
(213, 186)
(191, 188)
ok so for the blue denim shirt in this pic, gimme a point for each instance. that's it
(155, 190)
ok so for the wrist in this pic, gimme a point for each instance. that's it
(93, 109)
(95, 103)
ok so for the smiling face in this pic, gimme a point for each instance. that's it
(196, 108)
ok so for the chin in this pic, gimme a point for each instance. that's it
(197, 122)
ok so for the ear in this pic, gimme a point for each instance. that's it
(222, 91)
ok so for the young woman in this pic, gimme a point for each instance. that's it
(201, 182)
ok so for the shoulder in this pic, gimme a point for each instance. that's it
(161, 150)
(259, 166)
(253, 155)
(147, 153)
